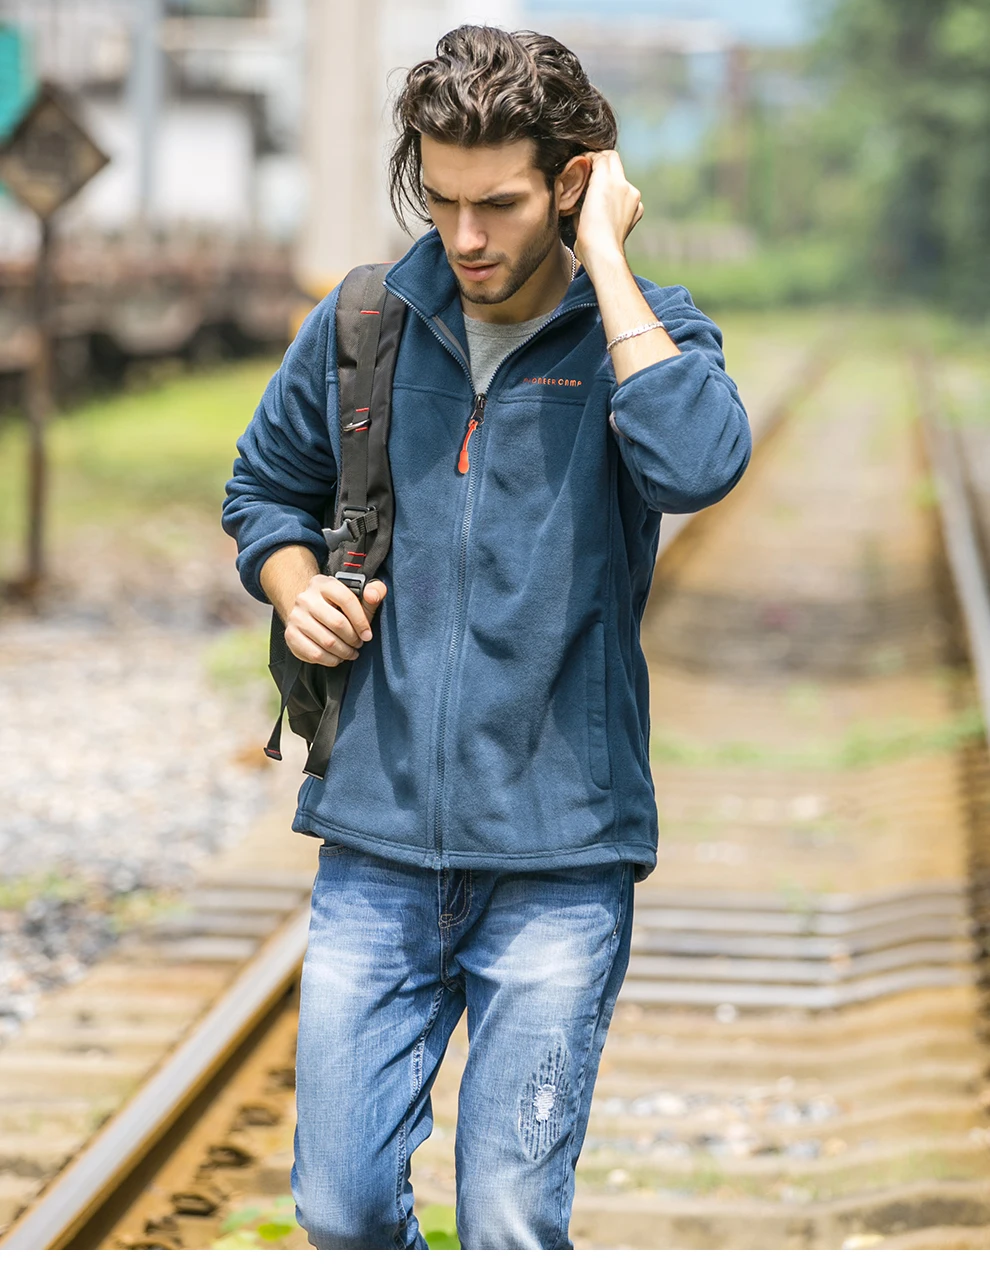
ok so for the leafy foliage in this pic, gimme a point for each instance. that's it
(868, 147)
(912, 81)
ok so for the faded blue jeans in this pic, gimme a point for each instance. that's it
(396, 953)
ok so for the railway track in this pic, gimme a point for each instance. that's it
(799, 1057)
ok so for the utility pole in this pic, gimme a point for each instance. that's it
(39, 405)
(146, 89)
(342, 142)
(352, 45)
(46, 159)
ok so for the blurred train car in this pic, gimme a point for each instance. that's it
(119, 300)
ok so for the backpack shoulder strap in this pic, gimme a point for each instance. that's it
(369, 322)
(369, 326)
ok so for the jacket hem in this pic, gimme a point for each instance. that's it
(637, 852)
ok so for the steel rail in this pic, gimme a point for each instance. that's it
(962, 540)
(104, 1164)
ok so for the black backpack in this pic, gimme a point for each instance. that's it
(359, 533)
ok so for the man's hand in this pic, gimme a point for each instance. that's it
(325, 622)
(329, 623)
(612, 206)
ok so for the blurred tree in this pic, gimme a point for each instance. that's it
(914, 76)
(869, 147)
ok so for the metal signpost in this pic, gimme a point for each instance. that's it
(46, 159)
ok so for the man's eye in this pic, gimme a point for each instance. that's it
(511, 204)
(436, 199)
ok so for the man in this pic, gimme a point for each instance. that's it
(489, 801)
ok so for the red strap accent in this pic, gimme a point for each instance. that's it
(371, 311)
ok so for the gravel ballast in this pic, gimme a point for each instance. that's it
(123, 769)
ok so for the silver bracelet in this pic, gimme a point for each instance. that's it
(624, 336)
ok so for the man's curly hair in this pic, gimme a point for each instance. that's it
(487, 86)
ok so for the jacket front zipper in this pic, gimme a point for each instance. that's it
(464, 467)
(478, 415)
(476, 421)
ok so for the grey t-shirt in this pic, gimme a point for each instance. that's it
(490, 343)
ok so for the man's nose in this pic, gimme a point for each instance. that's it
(469, 237)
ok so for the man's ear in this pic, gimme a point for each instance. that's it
(570, 185)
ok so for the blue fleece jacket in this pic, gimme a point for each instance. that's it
(499, 718)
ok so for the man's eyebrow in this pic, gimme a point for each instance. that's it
(498, 198)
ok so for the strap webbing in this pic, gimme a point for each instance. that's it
(318, 757)
(355, 434)
(290, 675)
(358, 430)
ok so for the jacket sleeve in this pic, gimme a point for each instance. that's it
(681, 427)
(285, 474)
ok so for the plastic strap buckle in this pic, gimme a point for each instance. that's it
(355, 580)
(362, 520)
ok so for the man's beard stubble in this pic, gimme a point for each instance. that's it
(530, 261)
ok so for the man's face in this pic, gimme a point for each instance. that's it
(494, 213)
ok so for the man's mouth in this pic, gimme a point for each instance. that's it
(477, 273)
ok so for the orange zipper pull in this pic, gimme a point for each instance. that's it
(463, 464)
(477, 416)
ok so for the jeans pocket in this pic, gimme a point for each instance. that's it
(331, 849)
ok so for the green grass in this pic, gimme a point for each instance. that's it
(141, 455)
(142, 907)
(17, 892)
(802, 273)
(256, 1228)
(865, 744)
(126, 911)
(259, 1228)
(239, 657)
(439, 1227)
(705, 1174)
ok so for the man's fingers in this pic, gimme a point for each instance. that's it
(374, 594)
(339, 595)
(307, 651)
(332, 618)
(310, 628)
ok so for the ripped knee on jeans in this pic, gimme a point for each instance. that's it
(543, 1104)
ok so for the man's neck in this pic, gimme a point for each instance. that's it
(542, 292)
